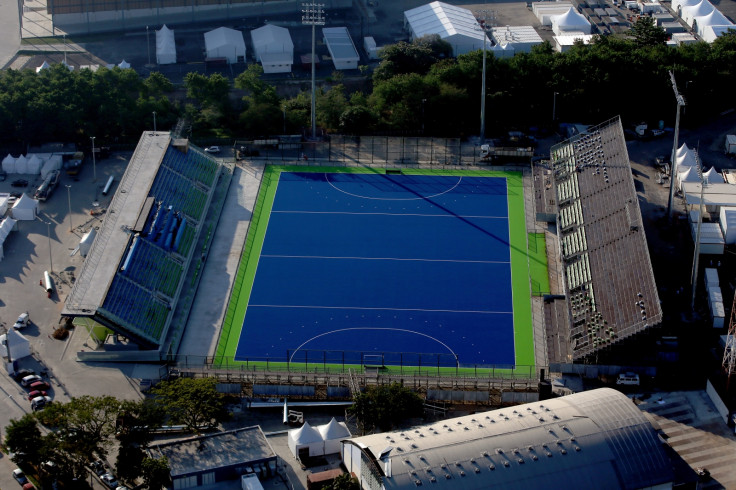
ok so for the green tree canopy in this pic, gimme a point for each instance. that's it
(386, 407)
(23, 437)
(193, 402)
(156, 473)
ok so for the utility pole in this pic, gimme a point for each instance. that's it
(148, 46)
(154, 121)
(673, 165)
(554, 106)
(69, 195)
(483, 27)
(313, 14)
(94, 162)
(696, 258)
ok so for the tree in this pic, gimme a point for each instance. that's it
(357, 120)
(647, 33)
(386, 406)
(404, 58)
(193, 402)
(23, 438)
(344, 482)
(156, 473)
(157, 84)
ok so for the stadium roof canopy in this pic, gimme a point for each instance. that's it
(595, 439)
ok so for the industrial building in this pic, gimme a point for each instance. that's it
(595, 439)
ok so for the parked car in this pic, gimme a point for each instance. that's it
(23, 321)
(31, 378)
(98, 467)
(39, 402)
(109, 480)
(33, 394)
(212, 149)
(39, 386)
(19, 476)
(628, 379)
(22, 373)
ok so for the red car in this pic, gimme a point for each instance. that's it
(33, 394)
(39, 386)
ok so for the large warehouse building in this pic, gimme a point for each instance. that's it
(595, 439)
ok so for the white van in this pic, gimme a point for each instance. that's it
(628, 379)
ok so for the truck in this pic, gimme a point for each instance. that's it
(47, 186)
(74, 165)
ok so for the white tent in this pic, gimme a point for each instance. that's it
(687, 159)
(306, 439)
(34, 165)
(342, 50)
(274, 48)
(688, 175)
(570, 21)
(25, 208)
(21, 165)
(711, 33)
(715, 18)
(4, 199)
(86, 242)
(728, 224)
(20, 346)
(123, 65)
(9, 164)
(682, 150)
(546, 10)
(165, 46)
(679, 5)
(332, 433)
(697, 10)
(712, 176)
(45, 65)
(518, 39)
(456, 25)
(6, 226)
(225, 43)
(52, 163)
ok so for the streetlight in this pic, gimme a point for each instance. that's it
(94, 162)
(48, 234)
(313, 14)
(65, 49)
(673, 168)
(423, 102)
(154, 121)
(69, 195)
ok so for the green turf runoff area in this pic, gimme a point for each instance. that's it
(538, 273)
(521, 259)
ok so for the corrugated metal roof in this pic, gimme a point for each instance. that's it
(592, 439)
(340, 44)
(445, 20)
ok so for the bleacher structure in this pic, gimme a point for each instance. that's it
(134, 273)
(608, 279)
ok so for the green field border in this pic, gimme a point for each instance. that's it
(538, 270)
(520, 276)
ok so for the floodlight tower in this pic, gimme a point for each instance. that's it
(729, 353)
(313, 14)
(696, 257)
(483, 20)
(673, 165)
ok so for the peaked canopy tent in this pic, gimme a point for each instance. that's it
(679, 5)
(688, 175)
(15, 345)
(165, 46)
(8, 164)
(711, 33)
(570, 21)
(332, 433)
(682, 150)
(306, 441)
(6, 226)
(45, 65)
(25, 208)
(712, 176)
(687, 159)
(455, 25)
(225, 43)
(123, 65)
(274, 48)
(698, 10)
(715, 18)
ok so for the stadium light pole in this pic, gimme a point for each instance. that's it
(313, 14)
(48, 235)
(673, 161)
(94, 161)
(483, 27)
(65, 49)
(554, 106)
(148, 46)
(69, 196)
(154, 121)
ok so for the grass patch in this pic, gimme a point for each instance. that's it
(538, 272)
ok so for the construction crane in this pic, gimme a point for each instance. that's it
(729, 353)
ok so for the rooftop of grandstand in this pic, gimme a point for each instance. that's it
(611, 293)
(130, 279)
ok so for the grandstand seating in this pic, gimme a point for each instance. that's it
(608, 276)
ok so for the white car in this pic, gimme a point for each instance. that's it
(30, 379)
(109, 480)
(23, 321)
(212, 149)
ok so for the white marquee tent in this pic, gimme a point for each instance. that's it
(689, 175)
(123, 65)
(44, 66)
(53, 162)
(698, 10)
(679, 5)
(687, 159)
(6, 226)
(546, 10)
(21, 165)
(715, 18)
(225, 43)
(274, 48)
(515, 39)
(85, 244)
(25, 208)
(306, 438)
(165, 46)
(34, 165)
(711, 33)
(712, 176)
(682, 150)
(570, 21)
(9, 164)
(332, 433)
(20, 346)
(456, 25)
